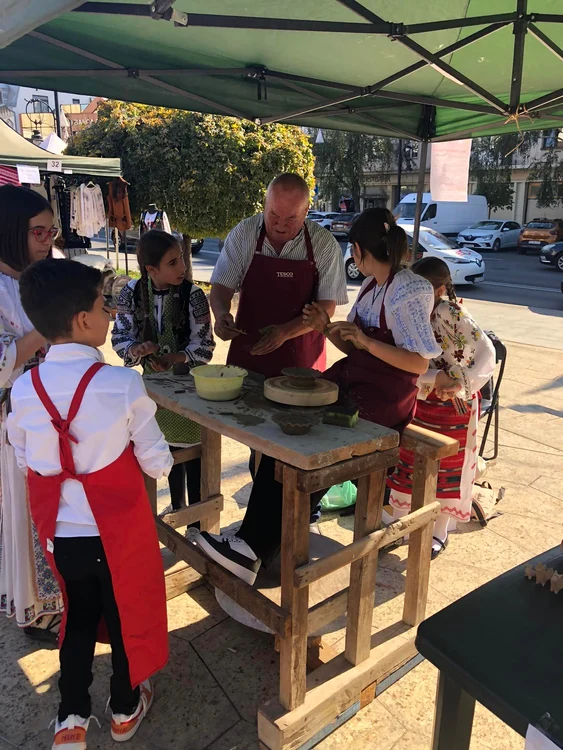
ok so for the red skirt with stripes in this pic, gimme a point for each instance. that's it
(441, 417)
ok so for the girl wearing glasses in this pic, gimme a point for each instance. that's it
(28, 589)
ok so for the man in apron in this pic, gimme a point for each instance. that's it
(279, 262)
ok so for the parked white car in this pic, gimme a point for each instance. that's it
(325, 219)
(466, 266)
(492, 234)
(447, 217)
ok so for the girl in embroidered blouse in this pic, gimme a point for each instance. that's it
(28, 589)
(163, 321)
(448, 403)
(388, 337)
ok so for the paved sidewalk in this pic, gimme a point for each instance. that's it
(220, 671)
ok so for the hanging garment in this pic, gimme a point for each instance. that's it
(119, 212)
(154, 220)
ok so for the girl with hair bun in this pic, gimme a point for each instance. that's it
(162, 321)
(448, 403)
(388, 338)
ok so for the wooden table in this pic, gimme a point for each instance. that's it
(310, 706)
(501, 645)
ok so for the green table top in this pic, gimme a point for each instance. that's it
(503, 643)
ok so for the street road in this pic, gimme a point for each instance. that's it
(520, 299)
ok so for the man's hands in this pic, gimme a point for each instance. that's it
(225, 327)
(316, 317)
(272, 338)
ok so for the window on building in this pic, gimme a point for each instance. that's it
(41, 103)
(1, 98)
(76, 101)
(550, 139)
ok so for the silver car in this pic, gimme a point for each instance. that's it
(493, 234)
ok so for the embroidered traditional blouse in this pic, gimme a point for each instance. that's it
(467, 353)
(408, 306)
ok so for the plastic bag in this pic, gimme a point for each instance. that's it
(340, 496)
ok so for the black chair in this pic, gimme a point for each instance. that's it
(490, 401)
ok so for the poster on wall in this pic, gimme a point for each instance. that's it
(449, 171)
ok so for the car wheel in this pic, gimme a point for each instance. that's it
(496, 245)
(559, 262)
(196, 247)
(521, 251)
(352, 271)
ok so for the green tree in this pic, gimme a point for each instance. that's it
(548, 171)
(207, 171)
(344, 159)
(491, 166)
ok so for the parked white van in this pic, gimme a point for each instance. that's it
(446, 217)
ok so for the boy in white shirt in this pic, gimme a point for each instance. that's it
(83, 431)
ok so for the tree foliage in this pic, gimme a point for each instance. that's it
(208, 172)
(344, 160)
(548, 171)
(491, 166)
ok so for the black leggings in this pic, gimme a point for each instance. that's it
(185, 476)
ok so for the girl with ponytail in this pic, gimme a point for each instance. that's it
(448, 403)
(163, 321)
(387, 339)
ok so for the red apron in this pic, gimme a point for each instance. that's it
(383, 393)
(118, 499)
(275, 291)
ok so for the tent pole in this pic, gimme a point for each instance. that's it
(107, 237)
(419, 194)
(116, 243)
(57, 114)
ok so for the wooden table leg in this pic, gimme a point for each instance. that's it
(369, 508)
(210, 476)
(453, 720)
(425, 477)
(150, 485)
(294, 552)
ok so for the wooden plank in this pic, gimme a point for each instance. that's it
(210, 477)
(367, 695)
(294, 552)
(192, 513)
(328, 611)
(425, 477)
(181, 580)
(308, 574)
(424, 442)
(353, 468)
(187, 454)
(323, 446)
(150, 486)
(331, 690)
(369, 507)
(265, 610)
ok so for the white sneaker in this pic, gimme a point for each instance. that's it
(124, 727)
(232, 553)
(71, 733)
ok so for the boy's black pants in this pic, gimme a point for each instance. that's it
(185, 476)
(82, 563)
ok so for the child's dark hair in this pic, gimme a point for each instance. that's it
(377, 233)
(436, 271)
(54, 290)
(17, 206)
(151, 249)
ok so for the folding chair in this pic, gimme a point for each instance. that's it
(490, 402)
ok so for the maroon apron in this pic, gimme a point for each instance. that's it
(383, 393)
(275, 291)
(120, 506)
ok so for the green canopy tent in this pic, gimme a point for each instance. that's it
(15, 150)
(436, 71)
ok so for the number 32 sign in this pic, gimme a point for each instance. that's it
(54, 165)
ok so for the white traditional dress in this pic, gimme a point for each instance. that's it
(469, 357)
(28, 589)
